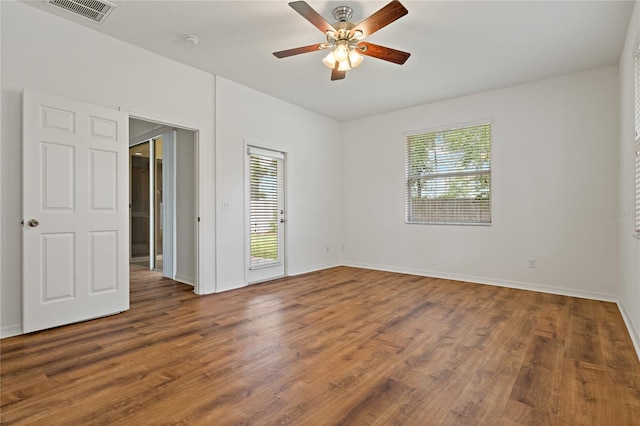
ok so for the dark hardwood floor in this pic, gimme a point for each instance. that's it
(340, 346)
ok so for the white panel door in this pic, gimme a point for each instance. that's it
(266, 217)
(75, 206)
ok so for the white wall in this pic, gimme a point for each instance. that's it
(629, 246)
(44, 52)
(185, 206)
(554, 178)
(139, 128)
(312, 144)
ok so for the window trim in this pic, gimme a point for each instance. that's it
(440, 129)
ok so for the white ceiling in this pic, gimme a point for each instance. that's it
(457, 47)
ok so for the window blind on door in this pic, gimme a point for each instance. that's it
(266, 198)
(448, 175)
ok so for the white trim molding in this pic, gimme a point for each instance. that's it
(221, 287)
(10, 331)
(540, 288)
(307, 270)
(633, 332)
(184, 280)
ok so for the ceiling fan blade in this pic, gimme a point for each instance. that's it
(382, 52)
(389, 13)
(312, 16)
(337, 75)
(299, 50)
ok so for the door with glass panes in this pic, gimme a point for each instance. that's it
(265, 225)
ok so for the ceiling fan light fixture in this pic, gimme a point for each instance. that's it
(355, 58)
(345, 56)
(329, 60)
(344, 65)
(341, 51)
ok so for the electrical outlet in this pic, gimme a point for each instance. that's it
(225, 205)
(532, 262)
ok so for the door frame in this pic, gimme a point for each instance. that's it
(198, 286)
(247, 204)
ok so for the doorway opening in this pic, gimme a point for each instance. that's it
(163, 193)
(146, 194)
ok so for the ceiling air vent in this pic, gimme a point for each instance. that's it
(92, 9)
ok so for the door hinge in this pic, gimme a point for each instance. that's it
(198, 218)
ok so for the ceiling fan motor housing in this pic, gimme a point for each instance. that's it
(344, 25)
(343, 13)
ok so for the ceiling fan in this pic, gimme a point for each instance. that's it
(345, 39)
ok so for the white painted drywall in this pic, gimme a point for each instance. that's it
(629, 246)
(138, 128)
(312, 144)
(185, 206)
(554, 180)
(44, 52)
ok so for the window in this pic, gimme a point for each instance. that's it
(448, 176)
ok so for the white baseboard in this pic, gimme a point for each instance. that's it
(10, 331)
(240, 284)
(307, 270)
(633, 331)
(185, 280)
(230, 286)
(202, 290)
(541, 288)
(605, 297)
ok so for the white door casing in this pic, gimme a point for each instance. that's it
(169, 204)
(75, 210)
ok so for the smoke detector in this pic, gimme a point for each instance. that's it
(96, 10)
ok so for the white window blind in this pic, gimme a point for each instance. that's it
(267, 202)
(448, 175)
(637, 139)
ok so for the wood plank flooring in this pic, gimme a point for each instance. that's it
(343, 346)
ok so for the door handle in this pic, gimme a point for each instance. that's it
(33, 223)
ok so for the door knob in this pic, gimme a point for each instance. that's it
(33, 223)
